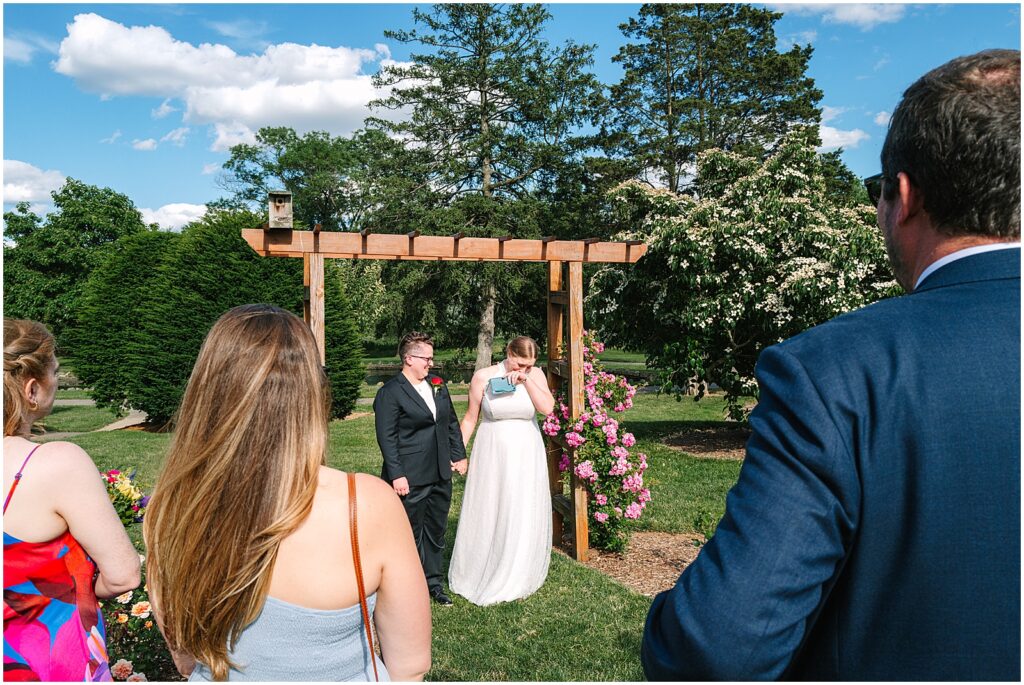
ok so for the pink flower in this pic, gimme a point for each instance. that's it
(633, 511)
(644, 496)
(121, 669)
(599, 419)
(564, 410)
(574, 439)
(601, 500)
(563, 464)
(585, 470)
(137, 678)
(600, 516)
(632, 483)
(628, 440)
(620, 407)
(620, 452)
(588, 368)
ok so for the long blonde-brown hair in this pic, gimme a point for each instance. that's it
(250, 436)
(29, 352)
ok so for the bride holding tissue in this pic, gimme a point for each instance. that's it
(503, 543)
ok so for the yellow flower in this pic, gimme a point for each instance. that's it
(147, 624)
(122, 618)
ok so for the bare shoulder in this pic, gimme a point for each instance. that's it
(485, 373)
(537, 373)
(65, 458)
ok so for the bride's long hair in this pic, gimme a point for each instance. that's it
(240, 476)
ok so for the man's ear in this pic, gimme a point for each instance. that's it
(910, 197)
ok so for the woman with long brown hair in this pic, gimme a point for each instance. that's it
(251, 568)
(64, 544)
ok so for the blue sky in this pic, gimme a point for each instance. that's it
(146, 98)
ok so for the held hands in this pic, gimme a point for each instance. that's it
(460, 466)
(401, 486)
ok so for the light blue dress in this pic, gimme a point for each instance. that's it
(288, 642)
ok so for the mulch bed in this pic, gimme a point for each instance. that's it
(711, 443)
(652, 561)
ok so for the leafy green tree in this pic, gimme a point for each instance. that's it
(700, 76)
(47, 262)
(763, 255)
(209, 270)
(110, 309)
(493, 108)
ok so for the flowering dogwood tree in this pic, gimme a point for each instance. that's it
(602, 458)
(761, 252)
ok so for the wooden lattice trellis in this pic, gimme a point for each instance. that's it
(565, 260)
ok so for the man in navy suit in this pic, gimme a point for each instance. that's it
(420, 439)
(874, 532)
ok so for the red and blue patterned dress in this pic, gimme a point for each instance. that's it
(53, 629)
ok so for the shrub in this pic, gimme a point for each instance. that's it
(208, 271)
(110, 309)
(601, 459)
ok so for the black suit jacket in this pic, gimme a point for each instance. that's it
(874, 532)
(413, 443)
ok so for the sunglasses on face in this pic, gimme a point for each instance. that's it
(873, 184)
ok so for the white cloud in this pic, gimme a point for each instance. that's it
(882, 118)
(24, 182)
(145, 145)
(244, 30)
(832, 138)
(303, 86)
(177, 136)
(16, 50)
(861, 15)
(798, 38)
(173, 216)
(163, 110)
(229, 135)
(22, 47)
(210, 169)
(830, 113)
(113, 136)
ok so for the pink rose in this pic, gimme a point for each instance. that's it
(600, 516)
(121, 669)
(628, 440)
(601, 500)
(633, 511)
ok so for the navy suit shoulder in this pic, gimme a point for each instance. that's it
(874, 531)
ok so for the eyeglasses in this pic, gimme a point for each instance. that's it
(429, 360)
(874, 188)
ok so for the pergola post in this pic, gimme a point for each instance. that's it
(579, 491)
(313, 307)
(554, 449)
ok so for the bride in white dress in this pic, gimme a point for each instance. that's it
(503, 543)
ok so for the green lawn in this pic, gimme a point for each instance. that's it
(73, 394)
(77, 419)
(581, 625)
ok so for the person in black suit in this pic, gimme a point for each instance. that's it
(419, 437)
(874, 531)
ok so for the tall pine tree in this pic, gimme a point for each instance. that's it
(493, 108)
(702, 76)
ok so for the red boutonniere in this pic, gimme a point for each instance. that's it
(436, 383)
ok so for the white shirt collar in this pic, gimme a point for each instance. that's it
(960, 254)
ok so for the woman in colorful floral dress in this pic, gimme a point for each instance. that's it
(63, 543)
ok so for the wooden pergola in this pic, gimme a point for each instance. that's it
(565, 260)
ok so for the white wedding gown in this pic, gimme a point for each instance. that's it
(503, 543)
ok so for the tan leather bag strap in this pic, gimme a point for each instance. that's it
(353, 527)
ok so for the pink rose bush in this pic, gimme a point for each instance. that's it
(602, 457)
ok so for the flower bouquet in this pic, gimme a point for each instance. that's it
(128, 500)
(613, 474)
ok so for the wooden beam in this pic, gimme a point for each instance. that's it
(316, 302)
(575, 335)
(559, 297)
(369, 245)
(556, 318)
